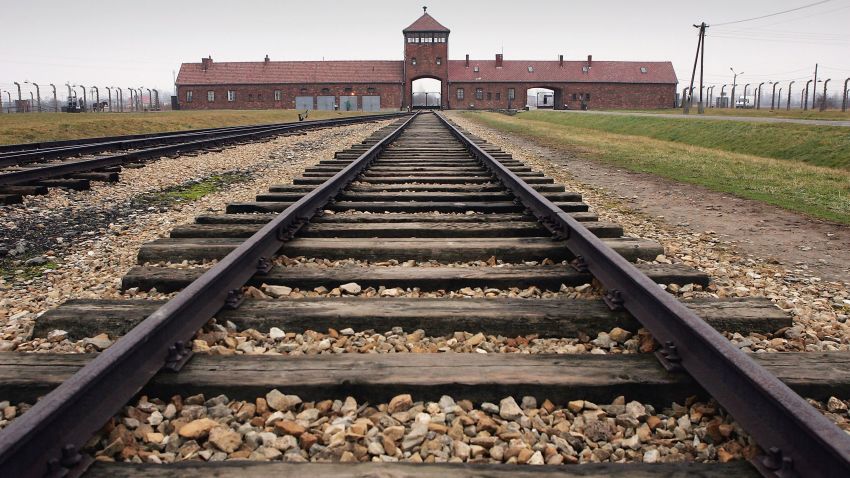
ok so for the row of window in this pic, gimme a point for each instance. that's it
(278, 95)
(439, 60)
(427, 37)
(479, 94)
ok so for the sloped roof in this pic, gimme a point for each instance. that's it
(425, 23)
(259, 72)
(551, 71)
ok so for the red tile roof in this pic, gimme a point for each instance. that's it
(425, 23)
(551, 71)
(259, 72)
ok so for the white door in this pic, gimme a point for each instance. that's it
(325, 103)
(371, 103)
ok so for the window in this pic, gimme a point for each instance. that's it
(210, 96)
(348, 91)
(189, 96)
(250, 97)
(259, 97)
(575, 96)
(531, 69)
(479, 93)
(326, 91)
(489, 96)
(303, 91)
(413, 61)
(371, 90)
(231, 95)
(427, 38)
(498, 96)
(411, 39)
(277, 95)
(587, 96)
(585, 69)
(643, 69)
(475, 69)
(439, 60)
(511, 93)
(460, 93)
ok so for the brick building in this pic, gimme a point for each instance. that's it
(388, 85)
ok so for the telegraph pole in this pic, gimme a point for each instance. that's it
(698, 57)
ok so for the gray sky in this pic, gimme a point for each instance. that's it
(110, 43)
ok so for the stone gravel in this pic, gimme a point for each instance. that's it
(516, 430)
(92, 263)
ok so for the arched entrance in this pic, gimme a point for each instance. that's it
(545, 98)
(426, 93)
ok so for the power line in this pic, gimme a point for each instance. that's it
(773, 14)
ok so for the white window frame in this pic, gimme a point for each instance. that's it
(189, 96)
(277, 95)
(459, 93)
(231, 95)
(210, 96)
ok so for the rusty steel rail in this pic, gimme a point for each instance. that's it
(180, 143)
(798, 440)
(46, 440)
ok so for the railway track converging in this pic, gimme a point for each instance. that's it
(429, 222)
(28, 169)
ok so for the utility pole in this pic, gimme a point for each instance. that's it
(697, 58)
(788, 108)
(823, 100)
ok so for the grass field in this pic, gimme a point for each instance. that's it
(27, 128)
(816, 145)
(763, 112)
(817, 191)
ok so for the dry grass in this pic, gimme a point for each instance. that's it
(763, 112)
(32, 127)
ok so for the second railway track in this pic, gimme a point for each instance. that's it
(442, 220)
(29, 169)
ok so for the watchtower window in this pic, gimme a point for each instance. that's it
(475, 69)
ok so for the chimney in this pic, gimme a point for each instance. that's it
(266, 60)
(589, 60)
(561, 61)
(499, 61)
(206, 63)
(467, 61)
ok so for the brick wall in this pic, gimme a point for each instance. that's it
(426, 66)
(262, 96)
(602, 95)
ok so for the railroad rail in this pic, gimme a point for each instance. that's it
(30, 169)
(406, 194)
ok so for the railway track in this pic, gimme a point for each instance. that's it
(30, 169)
(413, 204)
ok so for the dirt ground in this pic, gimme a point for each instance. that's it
(763, 231)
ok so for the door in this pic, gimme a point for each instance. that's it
(347, 103)
(325, 103)
(371, 103)
(303, 103)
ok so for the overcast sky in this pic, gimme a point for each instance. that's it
(109, 43)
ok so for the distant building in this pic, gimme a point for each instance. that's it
(388, 85)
